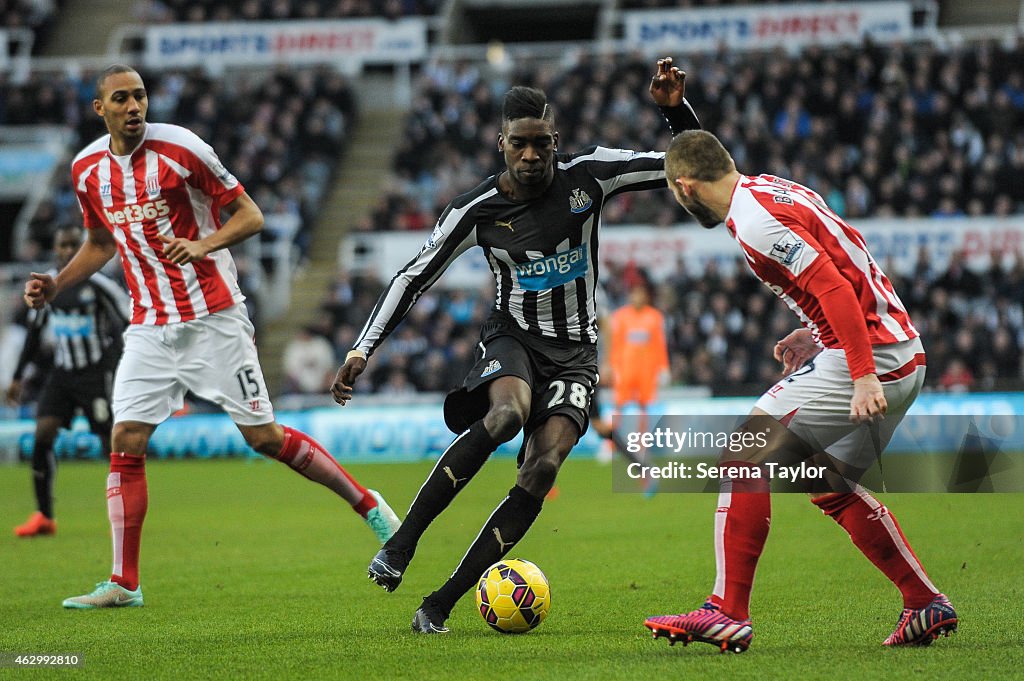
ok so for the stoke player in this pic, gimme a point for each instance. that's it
(86, 322)
(154, 193)
(868, 363)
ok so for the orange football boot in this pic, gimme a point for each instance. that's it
(36, 525)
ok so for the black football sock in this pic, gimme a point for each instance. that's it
(44, 467)
(459, 463)
(503, 530)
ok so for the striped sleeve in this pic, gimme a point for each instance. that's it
(618, 170)
(206, 172)
(80, 173)
(454, 234)
(781, 237)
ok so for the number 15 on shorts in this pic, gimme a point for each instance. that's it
(249, 384)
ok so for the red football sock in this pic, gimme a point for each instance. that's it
(308, 457)
(741, 528)
(876, 533)
(127, 501)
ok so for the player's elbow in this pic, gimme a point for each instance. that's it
(256, 220)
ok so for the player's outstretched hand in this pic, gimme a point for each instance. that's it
(868, 404)
(795, 349)
(668, 86)
(39, 290)
(182, 251)
(341, 391)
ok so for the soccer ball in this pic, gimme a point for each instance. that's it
(513, 596)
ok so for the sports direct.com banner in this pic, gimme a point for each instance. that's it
(293, 42)
(754, 27)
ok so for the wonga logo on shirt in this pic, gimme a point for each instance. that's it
(553, 270)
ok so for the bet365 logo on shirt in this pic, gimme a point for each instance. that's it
(137, 212)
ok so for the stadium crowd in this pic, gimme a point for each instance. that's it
(877, 130)
(281, 135)
(721, 329)
(34, 15)
(690, 4)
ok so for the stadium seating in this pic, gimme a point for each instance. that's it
(886, 131)
(28, 14)
(281, 135)
(721, 328)
(879, 131)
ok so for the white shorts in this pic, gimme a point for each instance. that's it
(213, 356)
(814, 402)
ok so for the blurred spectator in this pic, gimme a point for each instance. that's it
(721, 328)
(879, 130)
(309, 362)
(957, 378)
(34, 15)
(282, 134)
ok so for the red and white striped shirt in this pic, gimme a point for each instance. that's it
(172, 184)
(789, 236)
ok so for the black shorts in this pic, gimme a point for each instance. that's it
(594, 412)
(561, 374)
(88, 390)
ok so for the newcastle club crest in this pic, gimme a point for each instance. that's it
(579, 201)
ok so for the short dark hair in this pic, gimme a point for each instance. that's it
(698, 155)
(526, 102)
(69, 229)
(111, 70)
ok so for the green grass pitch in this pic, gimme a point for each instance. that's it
(249, 571)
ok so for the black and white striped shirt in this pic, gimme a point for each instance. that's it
(85, 321)
(543, 253)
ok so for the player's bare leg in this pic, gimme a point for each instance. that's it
(44, 468)
(308, 457)
(545, 453)
(509, 399)
(127, 502)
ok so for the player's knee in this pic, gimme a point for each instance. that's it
(131, 437)
(537, 476)
(504, 421)
(265, 439)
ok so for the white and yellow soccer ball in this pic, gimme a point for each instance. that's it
(513, 596)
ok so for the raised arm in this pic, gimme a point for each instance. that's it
(668, 90)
